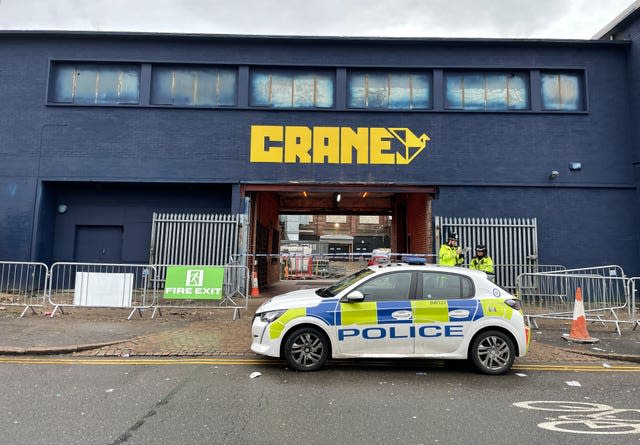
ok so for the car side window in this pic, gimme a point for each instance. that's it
(445, 286)
(387, 287)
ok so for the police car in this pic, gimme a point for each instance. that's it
(396, 311)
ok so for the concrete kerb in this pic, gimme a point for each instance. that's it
(58, 350)
(614, 357)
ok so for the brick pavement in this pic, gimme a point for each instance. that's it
(223, 337)
(214, 333)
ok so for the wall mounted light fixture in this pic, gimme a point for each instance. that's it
(554, 174)
(338, 197)
(575, 166)
(62, 208)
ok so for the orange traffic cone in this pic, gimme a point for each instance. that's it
(255, 292)
(579, 333)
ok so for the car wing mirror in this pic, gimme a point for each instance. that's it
(355, 297)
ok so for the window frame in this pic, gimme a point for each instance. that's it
(582, 89)
(522, 72)
(194, 66)
(291, 72)
(74, 64)
(389, 72)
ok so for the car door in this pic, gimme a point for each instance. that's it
(381, 324)
(443, 311)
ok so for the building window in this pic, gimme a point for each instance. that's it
(486, 91)
(193, 86)
(396, 90)
(292, 89)
(340, 219)
(367, 219)
(562, 91)
(95, 84)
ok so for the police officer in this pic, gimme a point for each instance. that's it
(482, 261)
(450, 254)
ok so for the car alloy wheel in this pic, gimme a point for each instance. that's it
(493, 352)
(306, 349)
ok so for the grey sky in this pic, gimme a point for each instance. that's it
(557, 19)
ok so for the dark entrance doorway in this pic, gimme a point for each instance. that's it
(98, 244)
(409, 208)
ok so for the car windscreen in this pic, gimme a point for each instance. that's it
(341, 285)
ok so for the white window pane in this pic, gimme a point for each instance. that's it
(107, 85)
(550, 92)
(570, 92)
(281, 90)
(421, 91)
(325, 91)
(129, 86)
(227, 87)
(518, 94)
(86, 76)
(377, 92)
(62, 85)
(161, 86)
(336, 219)
(453, 96)
(473, 92)
(304, 89)
(260, 89)
(496, 91)
(400, 91)
(183, 87)
(357, 92)
(205, 88)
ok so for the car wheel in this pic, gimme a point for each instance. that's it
(492, 352)
(306, 349)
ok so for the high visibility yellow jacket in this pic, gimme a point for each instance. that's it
(448, 256)
(485, 264)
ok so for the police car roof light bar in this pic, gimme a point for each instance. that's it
(414, 260)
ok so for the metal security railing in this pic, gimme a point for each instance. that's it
(634, 301)
(605, 291)
(235, 293)
(512, 243)
(99, 285)
(187, 239)
(23, 284)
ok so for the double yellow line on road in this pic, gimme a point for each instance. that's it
(265, 362)
(576, 368)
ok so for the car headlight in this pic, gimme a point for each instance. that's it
(271, 315)
(514, 303)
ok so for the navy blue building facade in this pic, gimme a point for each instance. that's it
(113, 165)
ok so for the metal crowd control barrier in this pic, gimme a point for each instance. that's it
(507, 274)
(551, 295)
(127, 286)
(235, 292)
(634, 301)
(23, 284)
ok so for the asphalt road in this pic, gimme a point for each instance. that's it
(53, 400)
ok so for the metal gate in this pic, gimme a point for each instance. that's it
(511, 242)
(193, 239)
